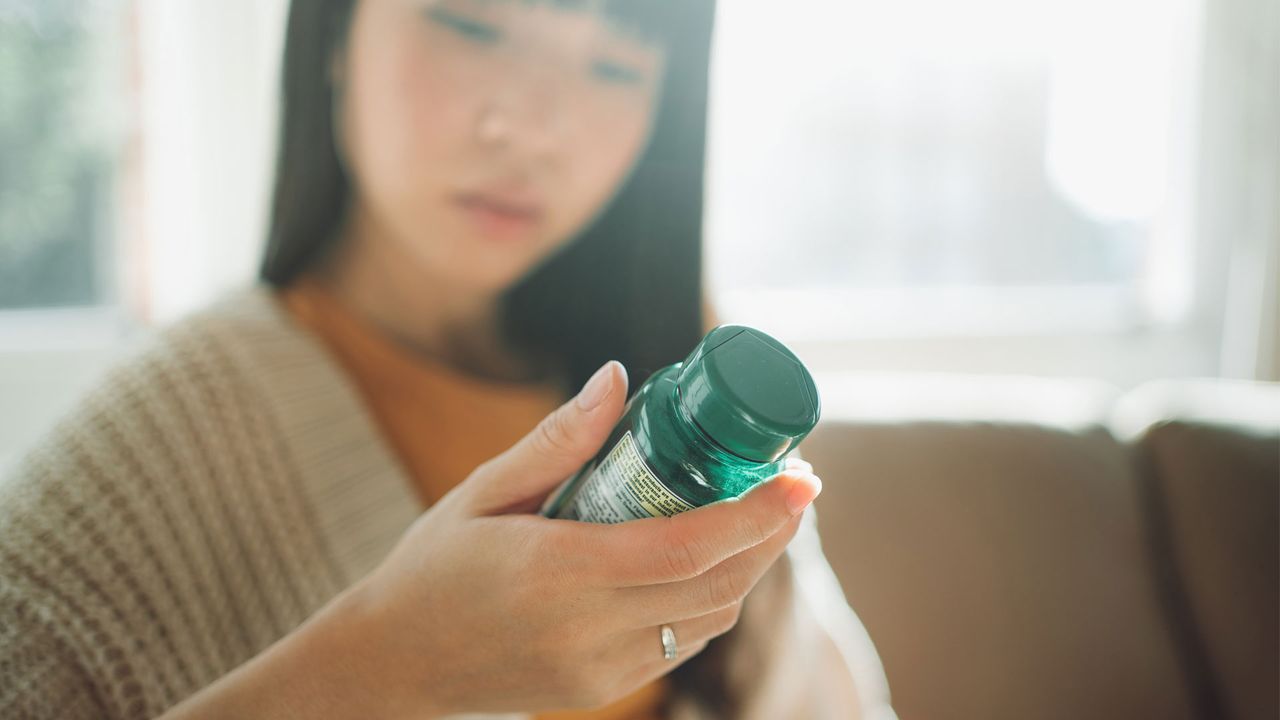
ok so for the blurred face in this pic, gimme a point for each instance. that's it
(483, 135)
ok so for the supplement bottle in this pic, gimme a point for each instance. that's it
(698, 431)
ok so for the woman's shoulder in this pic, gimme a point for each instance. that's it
(170, 397)
(187, 369)
(243, 331)
(178, 407)
(232, 412)
(163, 518)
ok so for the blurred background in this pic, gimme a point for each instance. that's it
(1040, 187)
(1029, 247)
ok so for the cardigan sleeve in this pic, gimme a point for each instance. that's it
(799, 652)
(850, 668)
(154, 539)
(40, 677)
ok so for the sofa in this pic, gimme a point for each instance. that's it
(1029, 548)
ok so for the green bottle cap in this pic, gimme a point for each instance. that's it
(748, 393)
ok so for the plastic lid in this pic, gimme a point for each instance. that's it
(748, 393)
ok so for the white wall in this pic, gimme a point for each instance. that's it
(209, 78)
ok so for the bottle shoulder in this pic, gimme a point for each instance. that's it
(678, 452)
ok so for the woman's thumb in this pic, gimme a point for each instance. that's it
(519, 479)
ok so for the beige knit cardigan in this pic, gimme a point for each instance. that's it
(225, 482)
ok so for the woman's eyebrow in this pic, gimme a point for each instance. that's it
(578, 5)
(623, 30)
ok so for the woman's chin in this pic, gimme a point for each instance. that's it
(486, 277)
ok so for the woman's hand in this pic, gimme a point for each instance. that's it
(479, 609)
(485, 606)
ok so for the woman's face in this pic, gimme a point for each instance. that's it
(482, 135)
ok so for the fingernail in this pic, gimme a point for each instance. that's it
(798, 464)
(803, 490)
(596, 389)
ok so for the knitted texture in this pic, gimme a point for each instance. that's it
(217, 489)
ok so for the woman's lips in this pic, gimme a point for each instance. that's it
(500, 217)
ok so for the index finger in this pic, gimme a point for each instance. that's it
(683, 546)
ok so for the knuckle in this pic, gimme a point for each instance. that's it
(542, 545)
(755, 528)
(528, 564)
(724, 587)
(727, 618)
(680, 555)
(486, 467)
(553, 436)
(569, 557)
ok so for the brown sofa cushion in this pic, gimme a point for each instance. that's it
(1212, 454)
(1000, 568)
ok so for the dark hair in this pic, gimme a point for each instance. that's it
(629, 287)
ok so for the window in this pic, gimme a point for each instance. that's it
(64, 121)
(925, 167)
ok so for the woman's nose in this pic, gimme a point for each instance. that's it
(531, 115)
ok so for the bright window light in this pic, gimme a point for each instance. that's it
(1025, 163)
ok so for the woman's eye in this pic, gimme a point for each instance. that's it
(470, 29)
(616, 73)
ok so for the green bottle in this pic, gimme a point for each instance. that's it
(705, 429)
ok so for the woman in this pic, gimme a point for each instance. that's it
(317, 497)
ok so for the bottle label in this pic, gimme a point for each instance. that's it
(622, 488)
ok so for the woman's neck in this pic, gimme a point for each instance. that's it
(428, 316)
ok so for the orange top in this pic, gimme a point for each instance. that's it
(442, 424)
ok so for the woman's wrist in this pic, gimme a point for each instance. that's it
(358, 628)
(329, 667)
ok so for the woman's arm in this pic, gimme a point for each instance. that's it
(41, 677)
(306, 674)
(847, 658)
(798, 651)
(64, 657)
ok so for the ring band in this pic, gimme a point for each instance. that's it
(668, 643)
